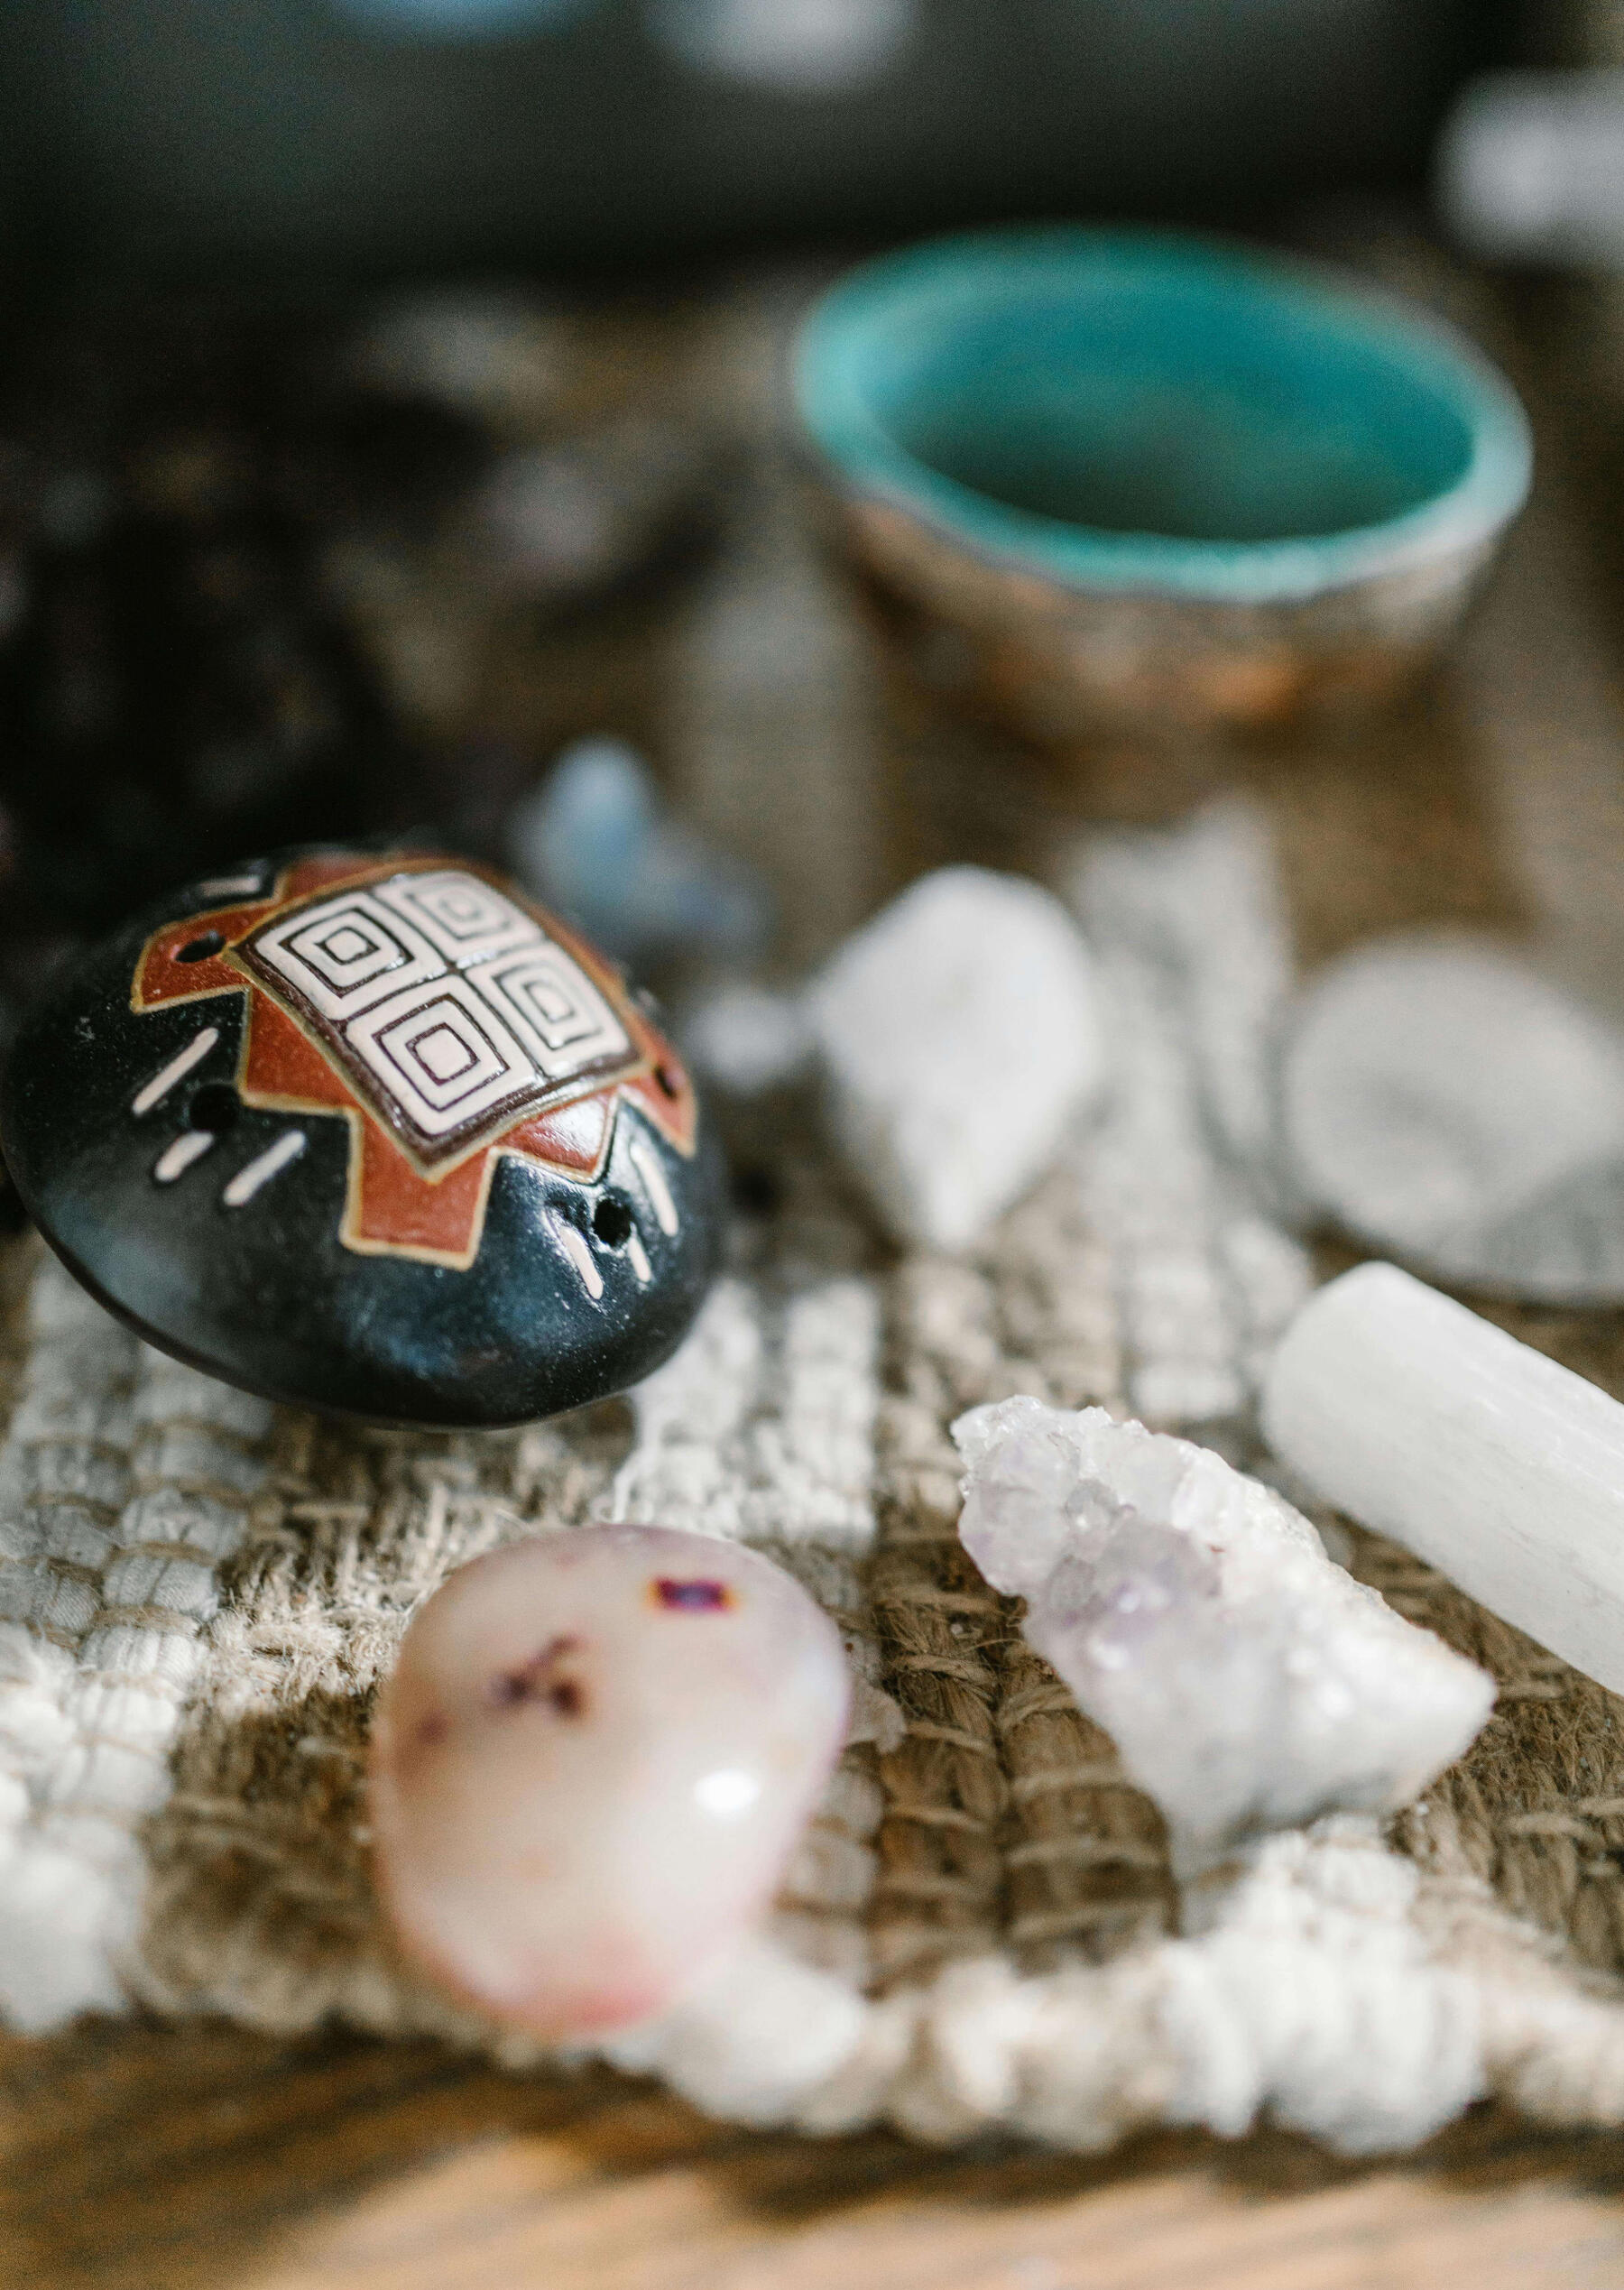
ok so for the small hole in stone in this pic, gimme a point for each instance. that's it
(755, 1190)
(670, 1080)
(199, 949)
(433, 1731)
(214, 1107)
(612, 1222)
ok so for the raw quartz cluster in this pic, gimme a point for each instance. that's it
(1249, 1683)
(959, 1033)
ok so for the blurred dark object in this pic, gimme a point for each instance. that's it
(328, 135)
(562, 526)
(548, 503)
(13, 1216)
(501, 357)
(173, 688)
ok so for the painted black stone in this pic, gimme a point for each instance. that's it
(314, 1271)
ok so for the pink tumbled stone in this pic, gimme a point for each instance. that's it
(591, 1764)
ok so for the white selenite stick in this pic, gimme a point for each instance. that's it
(1487, 1460)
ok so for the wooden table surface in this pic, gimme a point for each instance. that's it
(135, 2157)
(194, 2159)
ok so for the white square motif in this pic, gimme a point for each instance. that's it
(463, 917)
(447, 1005)
(441, 1057)
(344, 954)
(444, 1053)
(554, 1008)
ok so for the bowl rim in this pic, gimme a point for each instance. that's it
(978, 268)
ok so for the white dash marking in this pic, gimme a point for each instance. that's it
(177, 1159)
(221, 886)
(646, 1162)
(179, 1066)
(580, 1256)
(275, 1158)
(637, 1256)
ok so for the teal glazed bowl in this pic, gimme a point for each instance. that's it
(1108, 480)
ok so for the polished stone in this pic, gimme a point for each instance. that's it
(593, 1760)
(369, 1132)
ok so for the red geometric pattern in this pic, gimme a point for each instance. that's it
(410, 1195)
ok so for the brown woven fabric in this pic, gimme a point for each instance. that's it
(1007, 1816)
(260, 1901)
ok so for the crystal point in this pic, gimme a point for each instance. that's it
(1489, 1460)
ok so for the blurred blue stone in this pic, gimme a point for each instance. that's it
(594, 841)
(461, 19)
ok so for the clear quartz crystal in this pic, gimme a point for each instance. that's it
(1249, 1683)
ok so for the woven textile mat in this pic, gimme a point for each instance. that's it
(199, 1593)
(203, 1592)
